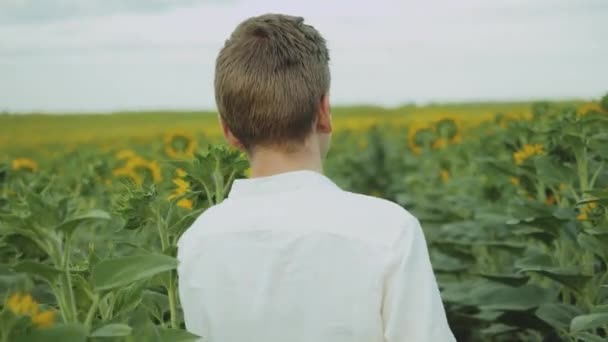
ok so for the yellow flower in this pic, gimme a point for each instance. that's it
(585, 210)
(589, 107)
(514, 180)
(137, 164)
(14, 302)
(125, 154)
(188, 148)
(362, 144)
(155, 170)
(526, 152)
(24, 164)
(23, 305)
(185, 203)
(180, 172)
(445, 175)
(440, 143)
(128, 173)
(181, 184)
(182, 187)
(456, 139)
(44, 319)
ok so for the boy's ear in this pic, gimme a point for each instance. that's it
(232, 140)
(324, 119)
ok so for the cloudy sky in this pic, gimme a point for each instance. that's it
(104, 55)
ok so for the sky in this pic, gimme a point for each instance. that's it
(109, 55)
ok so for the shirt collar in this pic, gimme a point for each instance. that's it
(279, 183)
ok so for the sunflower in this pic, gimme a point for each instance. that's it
(137, 165)
(456, 139)
(44, 319)
(362, 143)
(440, 144)
(444, 175)
(24, 305)
(527, 151)
(589, 108)
(181, 172)
(24, 164)
(182, 187)
(185, 203)
(179, 145)
(128, 173)
(125, 154)
(419, 137)
(585, 210)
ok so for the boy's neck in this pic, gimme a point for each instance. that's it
(268, 162)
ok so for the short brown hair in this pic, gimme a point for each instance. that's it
(270, 77)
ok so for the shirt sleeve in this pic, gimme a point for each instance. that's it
(412, 309)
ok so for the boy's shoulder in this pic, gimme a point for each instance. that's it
(371, 205)
(353, 215)
(388, 215)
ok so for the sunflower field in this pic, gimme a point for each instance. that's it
(513, 200)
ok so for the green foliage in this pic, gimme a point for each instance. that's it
(604, 103)
(515, 213)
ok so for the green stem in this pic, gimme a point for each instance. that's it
(60, 301)
(162, 232)
(218, 179)
(68, 300)
(583, 172)
(91, 314)
(171, 288)
(5, 333)
(172, 294)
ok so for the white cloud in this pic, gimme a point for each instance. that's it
(386, 52)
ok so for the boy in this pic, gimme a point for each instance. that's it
(288, 256)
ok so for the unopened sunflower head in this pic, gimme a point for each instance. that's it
(24, 164)
(585, 210)
(185, 203)
(44, 319)
(22, 304)
(444, 175)
(527, 151)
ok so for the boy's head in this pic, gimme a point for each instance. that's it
(272, 85)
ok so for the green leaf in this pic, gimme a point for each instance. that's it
(38, 270)
(565, 213)
(176, 335)
(93, 215)
(551, 172)
(567, 277)
(587, 322)
(499, 329)
(558, 315)
(594, 244)
(60, 332)
(495, 296)
(514, 280)
(588, 337)
(112, 330)
(603, 308)
(123, 271)
(128, 298)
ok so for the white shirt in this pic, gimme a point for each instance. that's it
(293, 258)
